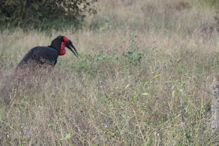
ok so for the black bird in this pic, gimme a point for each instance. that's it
(43, 55)
(40, 56)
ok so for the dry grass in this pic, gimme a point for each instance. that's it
(144, 77)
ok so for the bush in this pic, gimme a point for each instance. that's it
(133, 54)
(44, 13)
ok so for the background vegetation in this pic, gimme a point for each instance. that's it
(144, 77)
(44, 14)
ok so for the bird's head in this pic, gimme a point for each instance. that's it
(60, 42)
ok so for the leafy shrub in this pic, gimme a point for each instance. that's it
(133, 53)
(134, 56)
(36, 13)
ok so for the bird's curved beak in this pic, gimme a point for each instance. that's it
(71, 47)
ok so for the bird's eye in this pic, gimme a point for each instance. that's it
(65, 39)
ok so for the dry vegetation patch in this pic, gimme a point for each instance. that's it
(144, 77)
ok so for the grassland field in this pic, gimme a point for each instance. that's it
(144, 76)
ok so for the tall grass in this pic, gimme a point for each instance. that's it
(144, 77)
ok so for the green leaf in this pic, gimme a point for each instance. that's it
(157, 76)
(148, 142)
(35, 6)
(68, 136)
(145, 94)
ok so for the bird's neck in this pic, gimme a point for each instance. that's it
(61, 50)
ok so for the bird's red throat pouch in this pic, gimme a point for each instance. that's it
(62, 51)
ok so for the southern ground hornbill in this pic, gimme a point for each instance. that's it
(43, 55)
(33, 64)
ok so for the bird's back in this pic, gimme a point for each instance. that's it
(40, 55)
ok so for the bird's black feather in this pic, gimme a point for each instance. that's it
(40, 55)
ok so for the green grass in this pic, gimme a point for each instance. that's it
(143, 85)
(212, 3)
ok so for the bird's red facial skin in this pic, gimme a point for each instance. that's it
(62, 51)
(66, 40)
